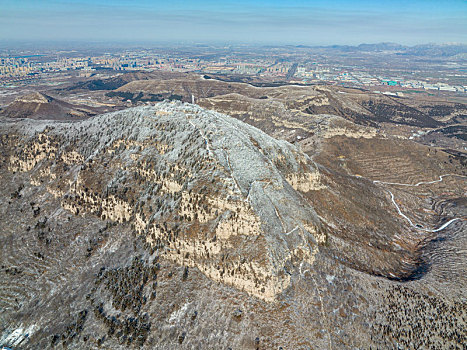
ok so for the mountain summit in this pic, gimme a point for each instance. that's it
(208, 190)
(151, 226)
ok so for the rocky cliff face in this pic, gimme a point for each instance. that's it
(208, 190)
(100, 213)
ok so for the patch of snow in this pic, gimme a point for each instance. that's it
(16, 337)
(177, 314)
(330, 278)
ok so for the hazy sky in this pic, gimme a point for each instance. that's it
(267, 21)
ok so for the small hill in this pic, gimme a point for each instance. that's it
(40, 106)
(290, 100)
(119, 80)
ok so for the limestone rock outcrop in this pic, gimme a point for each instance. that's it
(208, 190)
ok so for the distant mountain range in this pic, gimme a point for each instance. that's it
(444, 50)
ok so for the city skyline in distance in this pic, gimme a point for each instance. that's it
(268, 22)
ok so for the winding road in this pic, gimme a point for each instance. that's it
(418, 227)
(418, 183)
